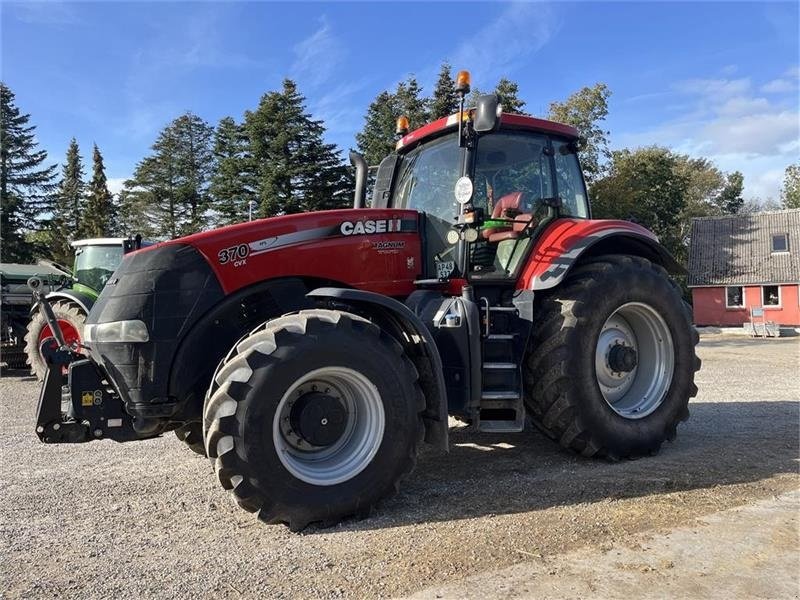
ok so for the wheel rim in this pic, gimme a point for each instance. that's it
(634, 360)
(71, 335)
(334, 398)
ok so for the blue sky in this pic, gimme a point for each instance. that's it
(716, 79)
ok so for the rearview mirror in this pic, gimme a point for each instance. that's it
(487, 114)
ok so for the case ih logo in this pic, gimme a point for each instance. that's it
(366, 227)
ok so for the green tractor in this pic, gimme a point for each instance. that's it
(95, 262)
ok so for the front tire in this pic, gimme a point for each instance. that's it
(610, 367)
(314, 416)
(191, 434)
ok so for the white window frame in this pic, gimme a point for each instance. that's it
(785, 236)
(742, 305)
(777, 306)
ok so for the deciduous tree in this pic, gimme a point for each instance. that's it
(790, 194)
(645, 185)
(586, 110)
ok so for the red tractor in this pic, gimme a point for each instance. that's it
(310, 355)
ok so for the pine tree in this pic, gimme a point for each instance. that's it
(410, 102)
(233, 182)
(296, 170)
(444, 101)
(507, 92)
(99, 216)
(26, 184)
(377, 139)
(168, 194)
(66, 224)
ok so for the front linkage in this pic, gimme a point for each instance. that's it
(76, 403)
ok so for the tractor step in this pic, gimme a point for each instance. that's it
(501, 395)
(499, 365)
(501, 409)
(501, 336)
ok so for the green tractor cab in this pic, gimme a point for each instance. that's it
(95, 262)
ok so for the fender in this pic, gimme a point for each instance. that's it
(215, 333)
(83, 300)
(435, 417)
(565, 241)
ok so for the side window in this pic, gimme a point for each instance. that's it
(570, 182)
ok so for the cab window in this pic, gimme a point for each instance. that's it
(571, 188)
(513, 178)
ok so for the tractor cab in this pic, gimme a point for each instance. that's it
(487, 187)
(97, 258)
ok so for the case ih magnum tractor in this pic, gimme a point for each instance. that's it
(310, 355)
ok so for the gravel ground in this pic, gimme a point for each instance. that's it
(147, 519)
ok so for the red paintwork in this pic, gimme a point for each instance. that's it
(348, 260)
(562, 235)
(709, 306)
(506, 121)
(68, 330)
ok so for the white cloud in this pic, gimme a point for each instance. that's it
(778, 86)
(503, 45)
(317, 56)
(714, 88)
(724, 121)
(43, 13)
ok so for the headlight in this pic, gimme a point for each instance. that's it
(116, 331)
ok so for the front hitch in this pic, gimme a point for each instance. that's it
(76, 403)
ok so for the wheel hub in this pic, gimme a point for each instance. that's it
(622, 359)
(318, 418)
(329, 425)
(634, 360)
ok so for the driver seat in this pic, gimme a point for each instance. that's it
(508, 207)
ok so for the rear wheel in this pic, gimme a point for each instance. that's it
(71, 319)
(313, 417)
(611, 365)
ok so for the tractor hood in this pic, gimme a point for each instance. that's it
(335, 245)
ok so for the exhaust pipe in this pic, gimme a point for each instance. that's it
(357, 160)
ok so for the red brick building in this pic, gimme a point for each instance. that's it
(743, 261)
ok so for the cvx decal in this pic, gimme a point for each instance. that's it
(234, 254)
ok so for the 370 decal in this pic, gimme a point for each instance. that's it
(234, 254)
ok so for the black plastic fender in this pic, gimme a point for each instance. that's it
(435, 418)
(84, 301)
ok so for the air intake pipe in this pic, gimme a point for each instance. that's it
(357, 160)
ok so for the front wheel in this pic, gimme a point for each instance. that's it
(611, 365)
(313, 417)
(71, 319)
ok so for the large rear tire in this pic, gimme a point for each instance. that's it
(611, 362)
(70, 317)
(313, 417)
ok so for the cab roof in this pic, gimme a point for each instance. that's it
(507, 121)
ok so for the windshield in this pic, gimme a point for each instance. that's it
(426, 179)
(94, 265)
